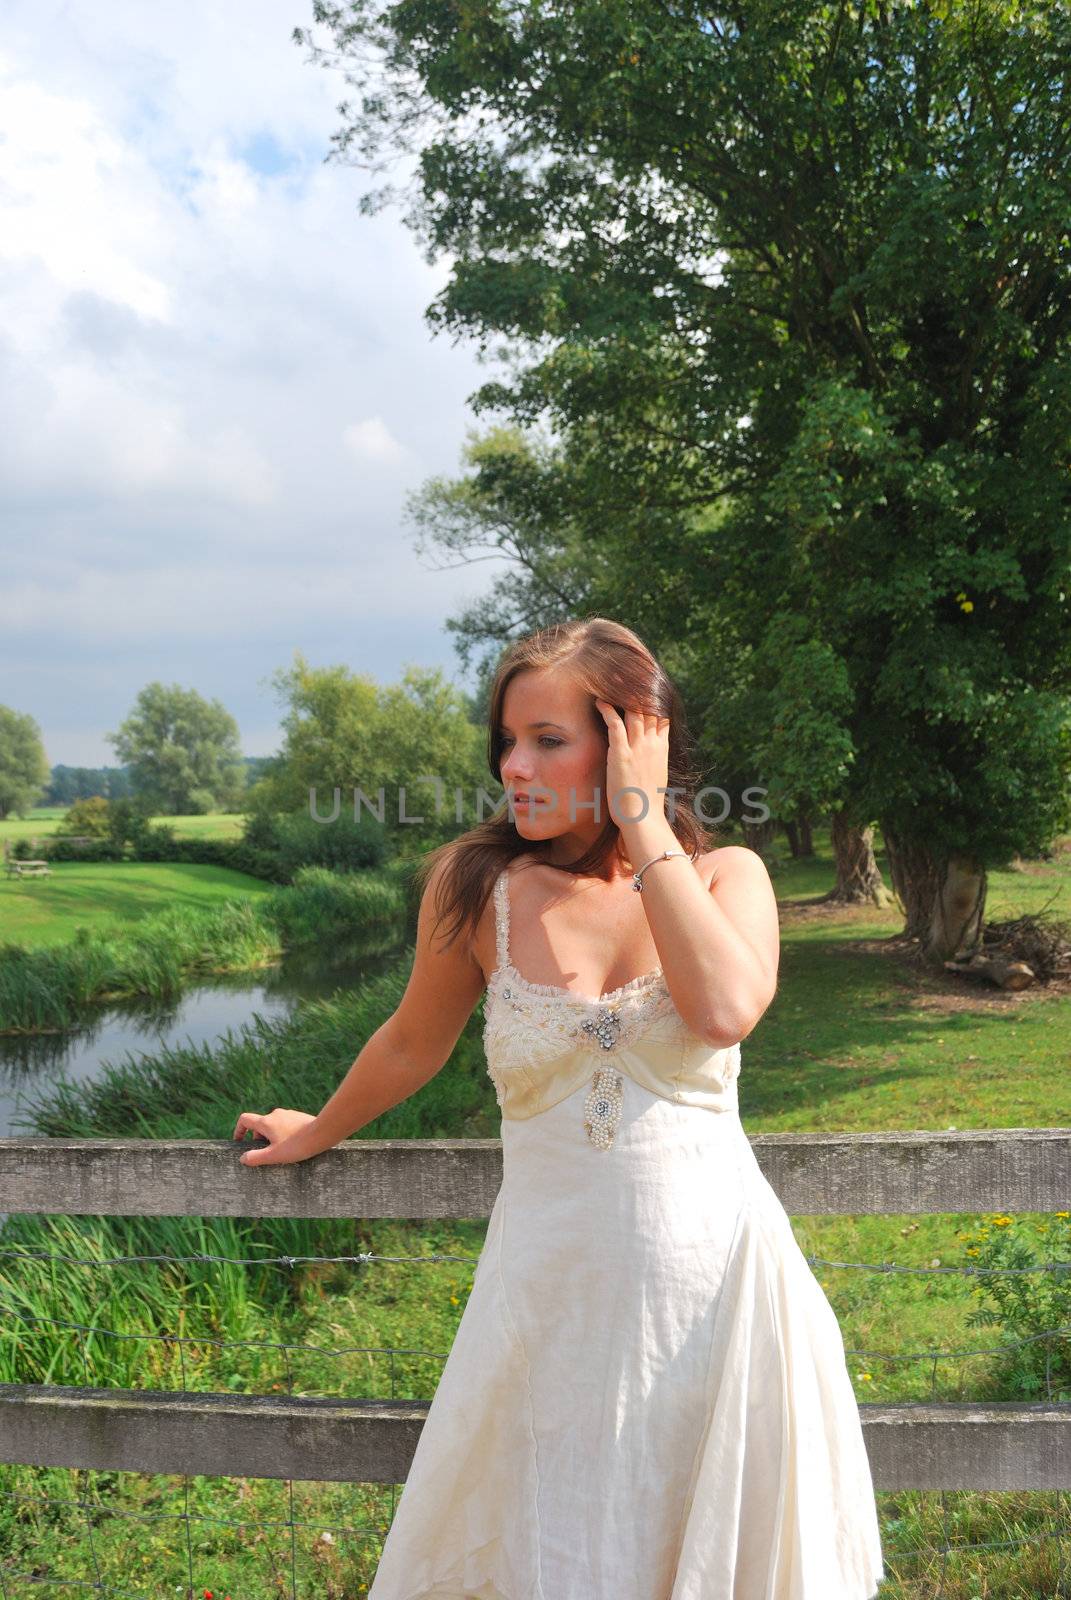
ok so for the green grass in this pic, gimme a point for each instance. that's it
(883, 1057)
(855, 1040)
(44, 820)
(100, 895)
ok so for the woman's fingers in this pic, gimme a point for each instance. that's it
(250, 1122)
(274, 1128)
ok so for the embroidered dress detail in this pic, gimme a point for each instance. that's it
(602, 1108)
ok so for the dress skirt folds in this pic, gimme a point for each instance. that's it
(646, 1397)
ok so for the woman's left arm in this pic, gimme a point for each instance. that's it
(718, 947)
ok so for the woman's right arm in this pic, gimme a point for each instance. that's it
(401, 1056)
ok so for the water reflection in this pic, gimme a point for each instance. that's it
(202, 1014)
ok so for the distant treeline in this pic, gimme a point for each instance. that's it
(68, 784)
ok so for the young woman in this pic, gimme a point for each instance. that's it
(647, 1397)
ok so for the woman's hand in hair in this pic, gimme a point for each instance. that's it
(637, 758)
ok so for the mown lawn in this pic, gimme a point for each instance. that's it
(99, 894)
(43, 820)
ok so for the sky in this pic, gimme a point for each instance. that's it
(217, 384)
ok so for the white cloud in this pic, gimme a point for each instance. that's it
(93, 434)
(372, 440)
(62, 173)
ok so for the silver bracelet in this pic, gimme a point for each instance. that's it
(663, 855)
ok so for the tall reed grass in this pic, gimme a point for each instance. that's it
(321, 903)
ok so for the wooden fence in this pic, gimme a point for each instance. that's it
(926, 1446)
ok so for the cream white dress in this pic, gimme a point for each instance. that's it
(646, 1397)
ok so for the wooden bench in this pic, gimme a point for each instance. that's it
(27, 869)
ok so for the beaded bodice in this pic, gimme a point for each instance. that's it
(542, 1041)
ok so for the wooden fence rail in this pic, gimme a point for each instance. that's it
(928, 1446)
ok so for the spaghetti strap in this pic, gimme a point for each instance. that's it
(501, 894)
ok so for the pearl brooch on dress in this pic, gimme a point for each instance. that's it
(602, 1108)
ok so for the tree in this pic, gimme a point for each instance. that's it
(807, 264)
(23, 763)
(343, 730)
(183, 751)
(88, 819)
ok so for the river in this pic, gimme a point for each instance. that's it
(202, 1014)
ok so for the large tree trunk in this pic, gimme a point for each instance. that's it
(800, 840)
(959, 911)
(859, 879)
(943, 898)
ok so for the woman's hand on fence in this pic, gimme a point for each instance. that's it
(275, 1126)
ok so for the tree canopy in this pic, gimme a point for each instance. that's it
(183, 751)
(23, 763)
(344, 730)
(791, 284)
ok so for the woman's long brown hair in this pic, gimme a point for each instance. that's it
(609, 661)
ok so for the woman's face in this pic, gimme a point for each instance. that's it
(554, 749)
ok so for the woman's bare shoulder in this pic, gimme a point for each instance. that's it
(736, 864)
(727, 858)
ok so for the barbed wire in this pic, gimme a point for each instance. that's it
(362, 1257)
